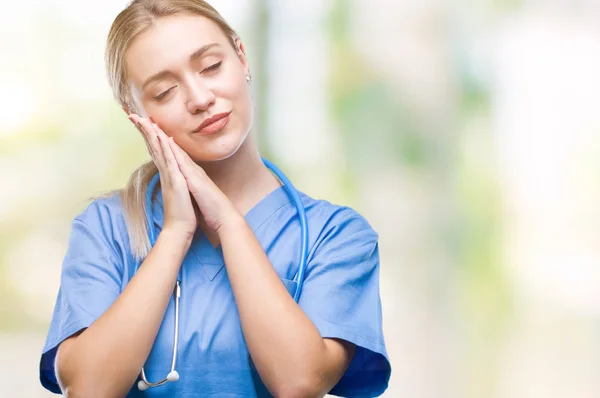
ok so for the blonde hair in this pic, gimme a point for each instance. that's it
(139, 16)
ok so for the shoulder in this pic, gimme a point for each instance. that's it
(102, 209)
(337, 221)
(103, 220)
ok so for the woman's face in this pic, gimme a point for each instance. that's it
(184, 72)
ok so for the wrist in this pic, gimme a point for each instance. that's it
(233, 219)
(176, 236)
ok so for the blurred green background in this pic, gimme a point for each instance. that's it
(466, 132)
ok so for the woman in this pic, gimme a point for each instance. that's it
(227, 231)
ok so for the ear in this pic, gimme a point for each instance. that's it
(241, 51)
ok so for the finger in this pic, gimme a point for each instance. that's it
(154, 143)
(163, 139)
(146, 137)
(172, 171)
(183, 160)
(175, 150)
(170, 160)
(135, 121)
(151, 137)
(182, 157)
(193, 174)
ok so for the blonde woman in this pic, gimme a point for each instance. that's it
(192, 292)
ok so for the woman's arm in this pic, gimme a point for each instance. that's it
(105, 359)
(290, 355)
(292, 358)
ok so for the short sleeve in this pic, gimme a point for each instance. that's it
(90, 282)
(341, 296)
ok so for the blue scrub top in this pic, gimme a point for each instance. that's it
(340, 295)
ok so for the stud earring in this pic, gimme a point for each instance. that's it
(248, 78)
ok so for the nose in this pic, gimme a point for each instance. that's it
(200, 96)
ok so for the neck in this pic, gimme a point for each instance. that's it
(242, 177)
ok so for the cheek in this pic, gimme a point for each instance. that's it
(233, 86)
(241, 95)
(169, 118)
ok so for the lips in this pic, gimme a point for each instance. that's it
(213, 124)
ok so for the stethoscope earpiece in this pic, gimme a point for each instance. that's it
(173, 376)
(142, 386)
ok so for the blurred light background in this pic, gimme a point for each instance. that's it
(465, 131)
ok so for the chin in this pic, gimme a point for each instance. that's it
(217, 150)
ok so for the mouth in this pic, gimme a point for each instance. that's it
(213, 124)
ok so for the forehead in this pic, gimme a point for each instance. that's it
(168, 43)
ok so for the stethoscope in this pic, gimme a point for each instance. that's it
(173, 375)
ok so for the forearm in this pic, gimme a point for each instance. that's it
(107, 357)
(286, 347)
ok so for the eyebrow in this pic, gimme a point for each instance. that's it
(164, 73)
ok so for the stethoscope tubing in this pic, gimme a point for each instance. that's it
(144, 384)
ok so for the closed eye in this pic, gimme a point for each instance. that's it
(213, 67)
(163, 94)
(209, 69)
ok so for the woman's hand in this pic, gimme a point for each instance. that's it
(215, 206)
(178, 210)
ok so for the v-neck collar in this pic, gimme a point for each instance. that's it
(208, 256)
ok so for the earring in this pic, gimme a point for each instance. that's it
(248, 78)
